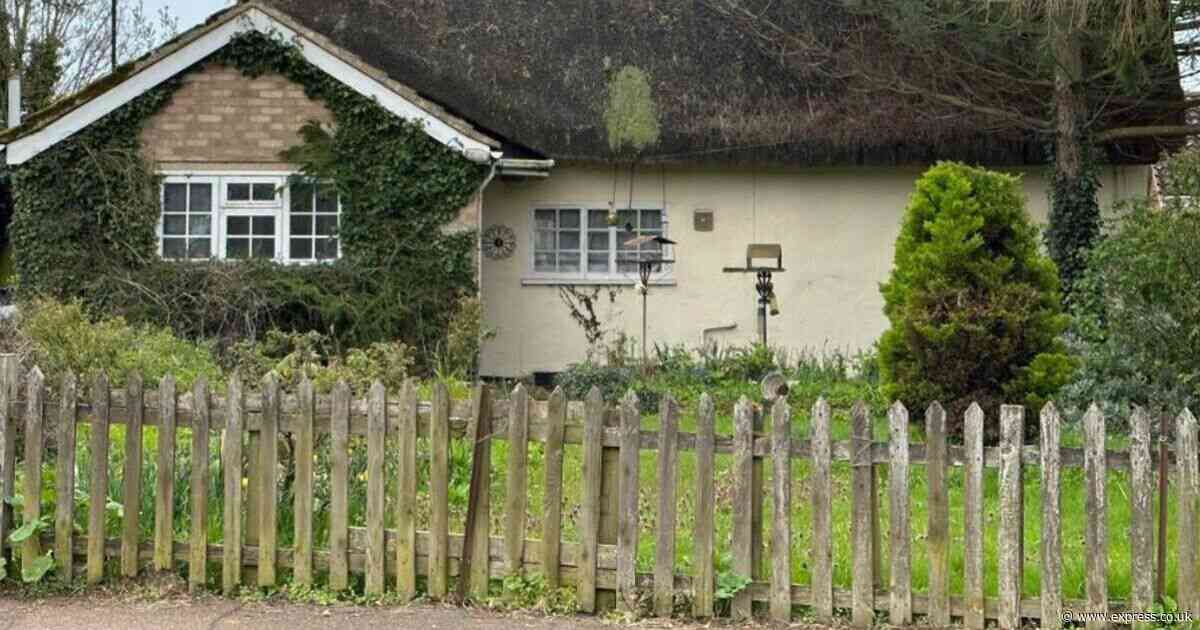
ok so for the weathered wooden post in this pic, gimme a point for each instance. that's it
(9, 383)
(35, 409)
(610, 509)
(862, 527)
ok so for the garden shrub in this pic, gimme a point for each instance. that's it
(974, 306)
(295, 356)
(1136, 320)
(458, 353)
(579, 378)
(60, 337)
(241, 301)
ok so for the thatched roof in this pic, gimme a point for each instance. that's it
(536, 75)
(536, 72)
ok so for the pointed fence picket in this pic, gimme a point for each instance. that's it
(602, 560)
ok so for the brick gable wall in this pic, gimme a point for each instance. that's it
(222, 116)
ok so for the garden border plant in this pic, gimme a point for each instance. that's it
(86, 212)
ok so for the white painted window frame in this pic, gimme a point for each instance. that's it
(279, 209)
(313, 238)
(583, 276)
(214, 227)
(280, 189)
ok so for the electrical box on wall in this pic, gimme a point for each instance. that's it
(703, 220)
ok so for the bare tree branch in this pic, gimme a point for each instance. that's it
(1147, 131)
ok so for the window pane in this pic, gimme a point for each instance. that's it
(327, 199)
(175, 224)
(545, 218)
(327, 248)
(568, 218)
(174, 197)
(300, 248)
(651, 219)
(625, 265)
(264, 248)
(199, 248)
(544, 241)
(627, 218)
(302, 198)
(597, 218)
(263, 226)
(569, 240)
(237, 247)
(598, 241)
(199, 225)
(238, 226)
(237, 192)
(201, 198)
(568, 262)
(302, 224)
(263, 192)
(598, 263)
(544, 262)
(174, 247)
(327, 224)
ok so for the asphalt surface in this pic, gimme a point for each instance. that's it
(185, 613)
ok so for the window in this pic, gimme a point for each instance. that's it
(313, 223)
(575, 242)
(556, 242)
(187, 220)
(247, 192)
(250, 237)
(251, 217)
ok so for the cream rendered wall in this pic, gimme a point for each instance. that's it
(837, 228)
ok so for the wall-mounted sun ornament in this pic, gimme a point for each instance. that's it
(499, 242)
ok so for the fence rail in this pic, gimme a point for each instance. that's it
(602, 565)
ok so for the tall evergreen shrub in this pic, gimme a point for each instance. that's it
(973, 304)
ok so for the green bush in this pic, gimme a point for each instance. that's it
(1136, 321)
(294, 356)
(240, 301)
(579, 378)
(974, 306)
(59, 337)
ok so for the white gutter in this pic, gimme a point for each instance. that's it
(516, 167)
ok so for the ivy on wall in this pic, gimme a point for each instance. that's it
(87, 209)
(87, 204)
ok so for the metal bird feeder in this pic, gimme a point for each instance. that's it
(646, 267)
(764, 285)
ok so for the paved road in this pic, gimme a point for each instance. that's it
(185, 613)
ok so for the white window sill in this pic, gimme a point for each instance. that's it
(534, 281)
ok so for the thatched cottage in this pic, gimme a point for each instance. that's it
(740, 150)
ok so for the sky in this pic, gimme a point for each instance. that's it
(189, 12)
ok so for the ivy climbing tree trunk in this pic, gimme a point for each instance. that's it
(1075, 210)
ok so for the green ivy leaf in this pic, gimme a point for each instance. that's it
(39, 568)
(16, 500)
(23, 533)
(730, 584)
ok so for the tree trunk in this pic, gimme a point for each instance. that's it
(1075, 212)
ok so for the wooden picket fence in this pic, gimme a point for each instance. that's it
(603, 565)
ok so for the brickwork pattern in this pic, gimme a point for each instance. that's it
(220, 115)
